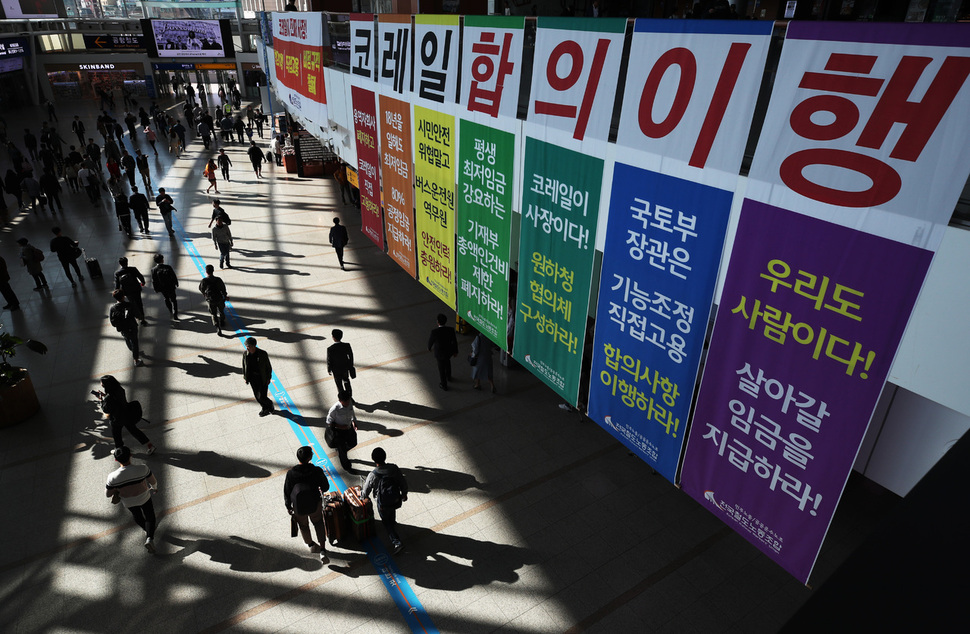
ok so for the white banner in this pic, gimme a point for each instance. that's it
(436, 58)
(298, 66)
(492, 64)
(394, 53)
(363, 52)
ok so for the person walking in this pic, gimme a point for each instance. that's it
(340, 362)
(390, 489)
(133, 486)
(342, 422)
(151, 137)
(444, 345)
(224, 164)
(218, 212)
(258, 372)
(174, 143)
(30, 142)
(130, 281)
(303, 492)
(13, 303)
(120, 413)
(78, 127)
(166, 206)
(482, 349)
(91, 182)
(214, 291)
(165, 281)
(68, 252)
(209, 172)
(256, 158)
(139, 205)
(122, 209)
(32, 257)
(339, 239)
(278, 149)
(141, 161)
(130, 166)
(50, 186)
(122, 318)
(222, 237)
(346, 194)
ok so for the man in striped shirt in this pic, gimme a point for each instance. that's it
(133, 485)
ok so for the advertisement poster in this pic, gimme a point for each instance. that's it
(434, 201)
(396, 175)
(368, 163)
(190, 38)
(660, 262)
(807, 327)
(484, 228)
(298, 59)
(560, 203)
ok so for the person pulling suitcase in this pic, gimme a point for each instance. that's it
(303, 492)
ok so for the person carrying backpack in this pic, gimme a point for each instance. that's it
(214, 291)
(122, 318)
(121, 413)
(303, 495)
(165, 281)
(32, 258)
(391, 490)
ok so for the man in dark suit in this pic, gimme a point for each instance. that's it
(339, 239)
(444, 345)
(340, 362)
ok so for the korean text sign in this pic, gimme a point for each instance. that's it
(434, 197)
(368, 163)
(867, 127)
(298, 57)
(396, 175)
(660, 261)
(362, 46)
(808, 323)
(394, 53)
(436, 58)
(560, 205)
(484, 228)
(492, 64)
(575, 73)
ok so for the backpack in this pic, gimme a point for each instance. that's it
(117, 317)
(166, 275)
(38, 254)
(304, 498)
(134, 412)
(389, 493)
(226, 220)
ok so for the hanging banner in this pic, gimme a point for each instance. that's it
(690, 97)
(492, 64)
(805, 335)
(484, 227)
(393, 53)
(867, 127)
(660, 262)
(434, 200)
(395, 128)
(368, 162)
(436, 58)
(560, 202)
(574, 75)
(298, 57)
(362, 48)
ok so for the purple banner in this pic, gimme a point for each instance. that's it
(807, 327)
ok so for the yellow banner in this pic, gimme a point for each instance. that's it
(435, 153)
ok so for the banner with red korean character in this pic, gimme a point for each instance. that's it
(574, 75)
(368, 162)
(394, 53)
(867, 127)
(492, 64)
(395, 126)
(689, 97)
(298, 59)
(363, 49)
(809, 320)
(660, 261)
(434, 200)
(560, 205)
(436, 60)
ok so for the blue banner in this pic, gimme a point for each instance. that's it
(660, 261)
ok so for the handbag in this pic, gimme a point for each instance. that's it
(76, 252)
(472, 360)
(353, 372)
(351, 438)
(330, 437)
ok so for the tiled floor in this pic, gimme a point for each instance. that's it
(522, 517)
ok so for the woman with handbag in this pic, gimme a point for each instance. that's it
(119, 413)
(341, 431)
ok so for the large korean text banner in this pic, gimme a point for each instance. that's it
(368, 164)
(298, 61)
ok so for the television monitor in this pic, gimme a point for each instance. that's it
(16, 9)
(188, 38)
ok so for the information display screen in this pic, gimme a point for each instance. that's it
(188, 38)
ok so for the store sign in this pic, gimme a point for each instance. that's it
(173, 66)
(13, 47)
(216, 66)
(114, 42)
(95, 66)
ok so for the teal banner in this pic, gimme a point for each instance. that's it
(484, 227)
(560, 203)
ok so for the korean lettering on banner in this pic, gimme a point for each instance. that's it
(484, 227)
(362, 45)
(803, 343)
(368, 163)
(492, 64)
(560, 205)
(861, 126)
(298, 64)
(434, 200)
(660, 262)
(393, 52)
(574, 75)
(436, 57)
(395, 127)
(691, 95)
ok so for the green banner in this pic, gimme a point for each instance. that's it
(560, 204)
(484, 227)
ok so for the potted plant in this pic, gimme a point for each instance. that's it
(18, 399)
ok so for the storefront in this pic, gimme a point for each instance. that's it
(82, 81)
(172, 77)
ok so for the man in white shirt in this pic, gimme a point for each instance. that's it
(133, 485)
(343, 421)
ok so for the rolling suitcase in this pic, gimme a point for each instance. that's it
(361, 514)
(335, 517)
(94, 269)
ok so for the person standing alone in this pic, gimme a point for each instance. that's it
(258, 372)
(340, 362)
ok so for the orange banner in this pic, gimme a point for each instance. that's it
(396, 175)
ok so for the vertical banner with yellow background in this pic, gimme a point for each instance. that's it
(395, 119)
(434, 197)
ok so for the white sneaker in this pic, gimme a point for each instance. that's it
(150, 545)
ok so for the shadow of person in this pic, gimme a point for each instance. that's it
(213, 464)
(424, 479)
(242, 554)
(364, 425)
(282, 336)
(299, 419)
(210, 369)
(195, 323)
(268, 253)
(276, 271)
(401, 408)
